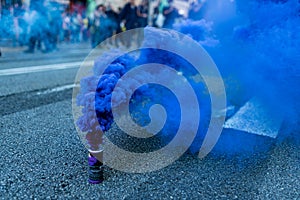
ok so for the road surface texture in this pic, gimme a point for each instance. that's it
(42, 156)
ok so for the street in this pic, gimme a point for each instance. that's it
(42, 156)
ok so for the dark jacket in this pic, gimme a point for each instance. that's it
(129, 15)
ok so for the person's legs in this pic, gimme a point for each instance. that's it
(33, 37)
(31, 44)
(39, 44)
(46, 39)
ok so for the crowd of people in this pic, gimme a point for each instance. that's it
(41, 26)
(37, 26)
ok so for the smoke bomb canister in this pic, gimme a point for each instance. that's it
(95, 170)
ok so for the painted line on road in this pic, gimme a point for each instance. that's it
(41, 68)
(57, 89)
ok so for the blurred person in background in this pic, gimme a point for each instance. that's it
(46, 29)
(66, 24)
(76, 26)
(44, 22)
(55, 21)
(171, 14)
(112, 23)
(158, 16)
(19, 25)
(85, 26)
(23, 26)
(142, 14)
(155, 16)
(99, 26)
(40, 31)
(128, 15)
(119, 39)
(34, 28)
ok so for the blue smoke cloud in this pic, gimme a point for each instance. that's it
(256, 46)
(259, 46)
(258, 55)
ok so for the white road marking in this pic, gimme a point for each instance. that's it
(57, 89)
(255, 118)
(40, 68)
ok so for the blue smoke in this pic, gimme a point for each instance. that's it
(256, 46)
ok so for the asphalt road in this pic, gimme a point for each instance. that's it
(42, 156)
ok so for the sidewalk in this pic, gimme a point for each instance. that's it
(9, 51)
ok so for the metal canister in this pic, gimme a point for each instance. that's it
(95, 170)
